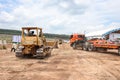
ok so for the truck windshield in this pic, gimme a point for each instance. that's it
(81, 36)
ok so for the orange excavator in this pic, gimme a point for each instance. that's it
(77, 40)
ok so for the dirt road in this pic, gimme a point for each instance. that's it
(64, 64)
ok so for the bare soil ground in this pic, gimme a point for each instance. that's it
(64, 64)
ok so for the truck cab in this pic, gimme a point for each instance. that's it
(77, 40)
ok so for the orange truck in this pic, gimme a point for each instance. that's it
(95, 43)
(103, 44)
(77, 40)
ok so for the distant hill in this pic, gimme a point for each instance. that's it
(10, 32)
(47, 35)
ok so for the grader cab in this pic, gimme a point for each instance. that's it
(33, 43)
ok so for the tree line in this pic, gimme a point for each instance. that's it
(47, 35)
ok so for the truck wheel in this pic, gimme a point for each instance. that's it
(74, 46)
(90, 47)
(84, 48)
(105, 50)
(118, 51)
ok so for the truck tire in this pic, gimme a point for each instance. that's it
(119, 51)
(85, 48)
(90, 47)
(74, 46)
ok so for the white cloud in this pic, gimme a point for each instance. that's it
(4, 16)
(64, 4)
(83, 2)
(62, 16)
(1, 5)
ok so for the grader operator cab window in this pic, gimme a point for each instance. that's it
(30, 32)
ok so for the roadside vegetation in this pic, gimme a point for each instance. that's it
(6, 34)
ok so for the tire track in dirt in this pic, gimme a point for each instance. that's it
(64, 64)
(56, 65)
(98, 64)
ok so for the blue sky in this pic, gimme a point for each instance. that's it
(60, 16)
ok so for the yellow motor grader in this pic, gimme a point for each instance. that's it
(33, 43)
